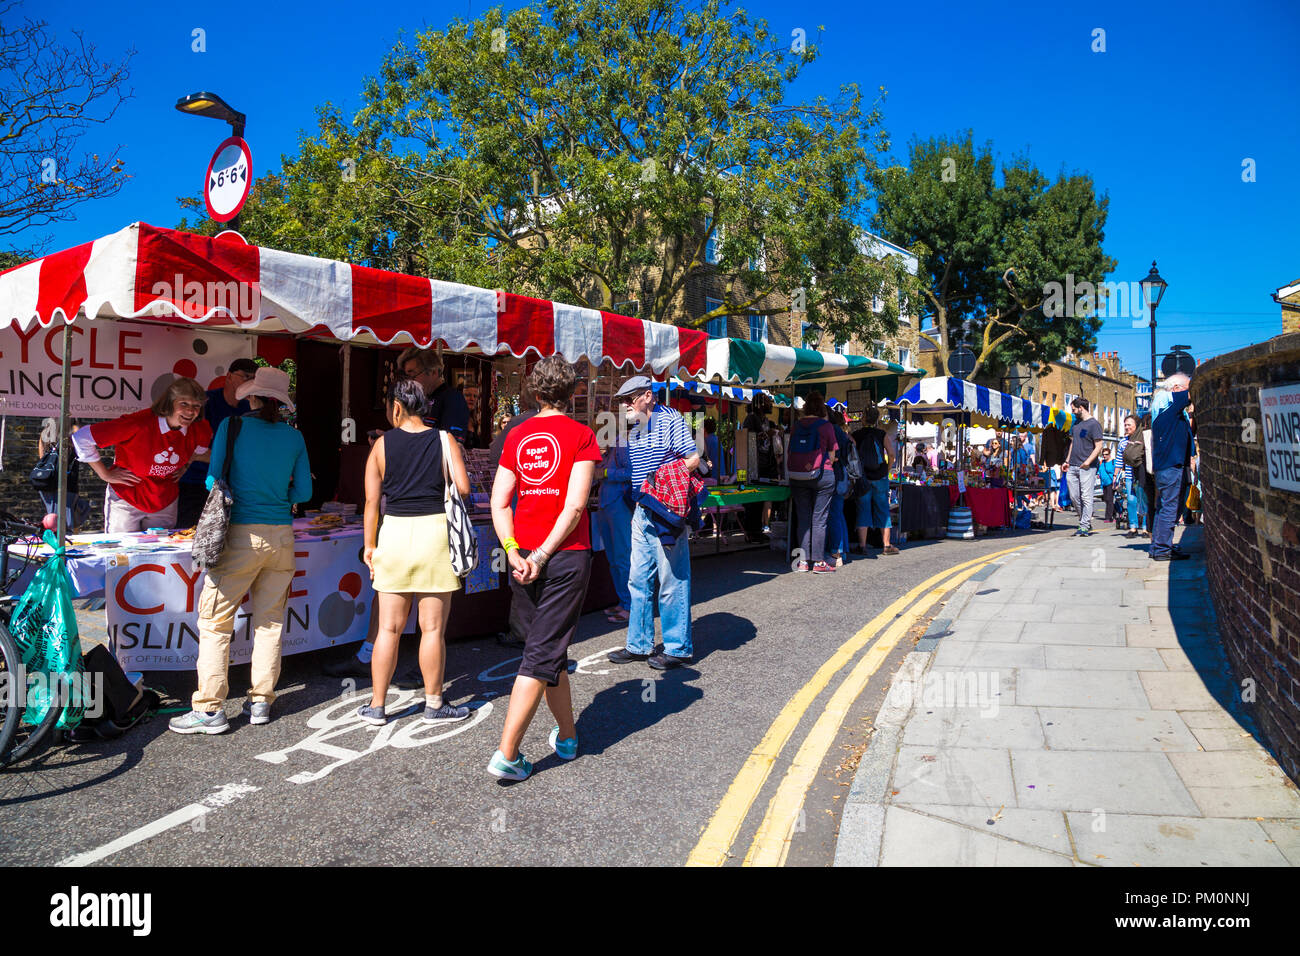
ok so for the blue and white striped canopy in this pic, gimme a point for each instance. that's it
(728, 392)
(944, 394)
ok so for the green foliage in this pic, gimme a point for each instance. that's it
(988, 249)
(588, 150)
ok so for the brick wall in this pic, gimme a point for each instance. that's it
(16, 492)
(1252, 535)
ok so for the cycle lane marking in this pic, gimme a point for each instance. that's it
(226, 794)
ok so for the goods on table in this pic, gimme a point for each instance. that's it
(325, 521)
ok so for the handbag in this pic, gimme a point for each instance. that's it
(461, 539)
(214, 522)
(44, 476)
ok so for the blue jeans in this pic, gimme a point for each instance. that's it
(1169, 482)
(873, 507)
(1137, 504)
(614, 525)
(837, 530)
(671, 569)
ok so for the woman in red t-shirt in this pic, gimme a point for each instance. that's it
(153, 447)
(548, 462)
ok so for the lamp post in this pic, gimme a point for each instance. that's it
(214, 107)
(1153, 288)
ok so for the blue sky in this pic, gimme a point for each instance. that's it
(1163, 119)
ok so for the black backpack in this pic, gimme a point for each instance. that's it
(871, 454)
(45, 476)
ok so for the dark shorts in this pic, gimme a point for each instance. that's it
(546, 613)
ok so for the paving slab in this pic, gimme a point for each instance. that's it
(1178, 690)
(1005, 632)
(989, 654)
(1100, 635)
(1098, 614)
(976, 777)
(1088, 780)
(1085, 728)
(1148, 635)
(1219, 738)
(1080, 688)
(979, 610)
(1043, 829)
(912, 839)
(971, 727)
(1285, 835)
(1006, 595)
(1101, 596)
(1088, 657)
(985, 687)
(1117, 839)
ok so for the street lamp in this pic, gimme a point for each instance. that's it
(1153, 288)
(214, 107)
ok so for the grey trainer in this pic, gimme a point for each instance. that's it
(257, 712)
(199, 722)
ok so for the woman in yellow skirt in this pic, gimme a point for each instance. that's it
(408, 557)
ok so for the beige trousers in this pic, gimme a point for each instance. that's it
(257, 561)
(120, 517)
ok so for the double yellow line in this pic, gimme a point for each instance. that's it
(772, 842)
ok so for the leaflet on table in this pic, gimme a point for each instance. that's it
(961, 482)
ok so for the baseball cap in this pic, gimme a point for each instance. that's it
(634, 386)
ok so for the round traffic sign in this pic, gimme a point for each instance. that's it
(961, 362)
(229, 179)
(1178, 363)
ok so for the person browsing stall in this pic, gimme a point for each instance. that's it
(269, 473)
(221, 404)
(656, 435)
(547, 466)
(152, 447)
(447, 407)
(409, 555)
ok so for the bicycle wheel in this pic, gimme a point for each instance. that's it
(26, 740)
(13, 681)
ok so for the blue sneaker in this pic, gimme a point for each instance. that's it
(564, 749)
(517, 769)
(373, 715)
(445, 712)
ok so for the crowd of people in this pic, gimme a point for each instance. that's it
(546, 464)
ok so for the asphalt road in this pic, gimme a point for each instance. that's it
(657, 751)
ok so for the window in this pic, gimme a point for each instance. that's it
(759, 262)
(758, 328)
(881, 351)
(713, 247)
(840, 347)
(877, 304)
(716, 328)
(1101, 370)
(905, 358)
(1084, 365)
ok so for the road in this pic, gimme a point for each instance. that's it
(673, 767)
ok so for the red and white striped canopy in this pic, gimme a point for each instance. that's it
(143, 272)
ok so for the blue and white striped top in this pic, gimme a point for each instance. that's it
(1127, 470)
(664, 438)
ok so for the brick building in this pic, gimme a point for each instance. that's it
(1288, 297)
(1099, 377)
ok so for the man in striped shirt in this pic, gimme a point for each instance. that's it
(656, 435)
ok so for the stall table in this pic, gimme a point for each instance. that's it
(727, 496)
(991, 507)
(923, 507)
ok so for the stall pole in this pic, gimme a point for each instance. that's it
(65, 392)
(347, 381)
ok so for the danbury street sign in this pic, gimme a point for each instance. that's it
(1280, 407)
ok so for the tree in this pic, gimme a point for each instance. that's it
(987, 251)
(50, 94)
(598, 151)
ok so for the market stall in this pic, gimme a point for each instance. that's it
(146, 279)
(988, 495)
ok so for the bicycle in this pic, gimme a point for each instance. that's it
(18, 740)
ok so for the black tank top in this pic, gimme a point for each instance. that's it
(413, 482)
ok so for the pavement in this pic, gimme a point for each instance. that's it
(1071, 707)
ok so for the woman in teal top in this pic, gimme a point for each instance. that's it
(269, 473)
(1106, 474)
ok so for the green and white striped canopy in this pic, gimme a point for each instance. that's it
(765, 365)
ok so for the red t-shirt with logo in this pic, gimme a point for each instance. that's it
(154, 453)
(542, 452)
